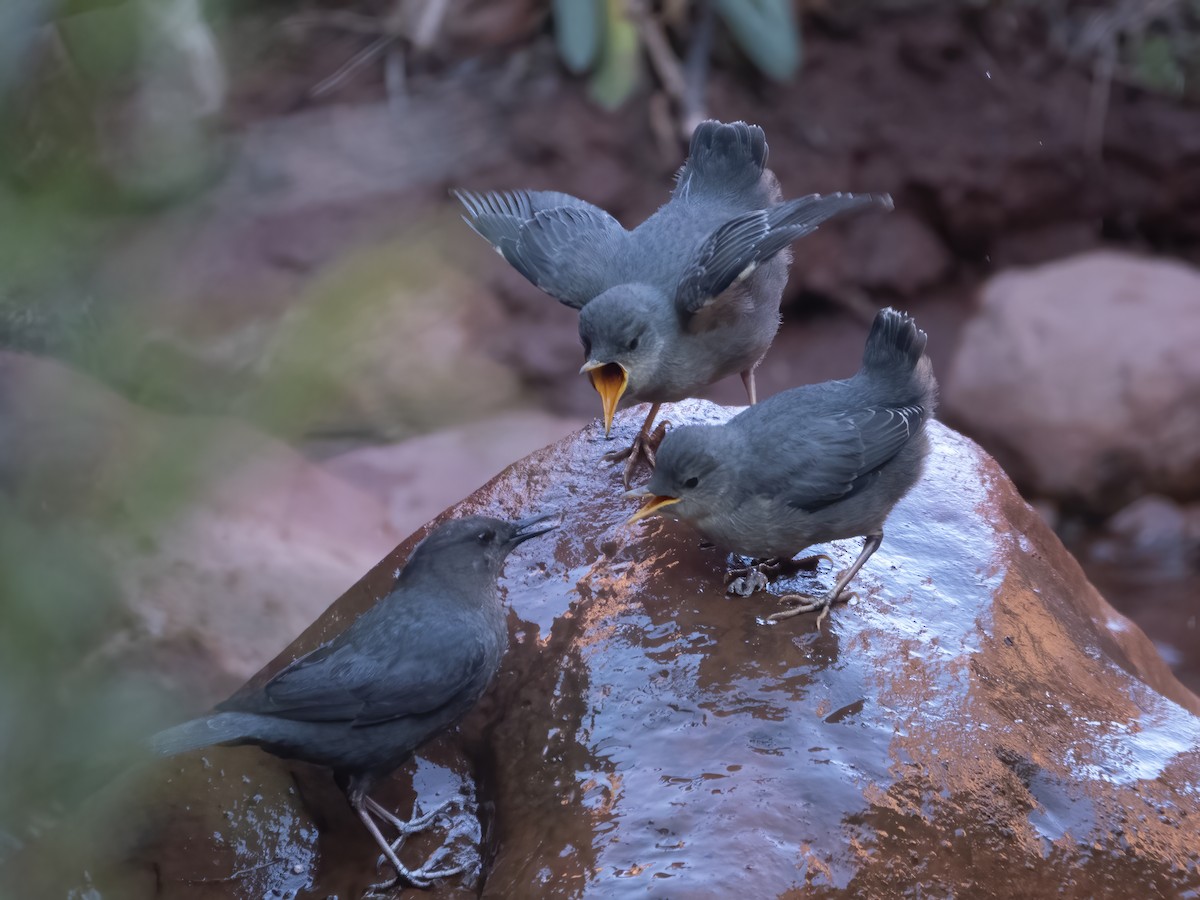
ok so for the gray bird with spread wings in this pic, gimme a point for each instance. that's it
(812, 464)
(408, 668)
(688, 297)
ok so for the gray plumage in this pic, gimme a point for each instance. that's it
(812, 464)
(408, 668)
(688, 297)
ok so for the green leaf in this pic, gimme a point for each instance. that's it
(1156, 66)
(767, 32)
(617, 75)
(578, 28)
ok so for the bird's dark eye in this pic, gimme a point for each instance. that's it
(691, 482)
(634, 343)
(486, 536)
(587, 345)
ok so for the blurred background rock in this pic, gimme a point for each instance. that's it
(248, 346)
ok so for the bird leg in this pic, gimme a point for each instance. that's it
(838, 594)
(644, 446)
(745, 580)
(415, 825)
(748, 381)
(423, 877)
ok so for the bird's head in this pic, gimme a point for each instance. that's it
(689, 478)
(477, 544)
(622, 331)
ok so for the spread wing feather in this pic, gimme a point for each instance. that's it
(735, 249)
(563, 245)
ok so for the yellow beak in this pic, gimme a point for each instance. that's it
(651, 506)
(610, 381)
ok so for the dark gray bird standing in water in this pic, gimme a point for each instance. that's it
(688, 297)
(812, 464)
(407, 669)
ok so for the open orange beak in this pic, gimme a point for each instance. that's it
(651, 506)
(610, 381)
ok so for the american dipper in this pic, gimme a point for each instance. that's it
(811, 464)
(408, 668)
(688, 297)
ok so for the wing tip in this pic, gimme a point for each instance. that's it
(855, 199)
(513, 204)
(884, 201)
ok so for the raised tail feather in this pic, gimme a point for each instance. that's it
(895, 343)
(219, 728)
(723, 157)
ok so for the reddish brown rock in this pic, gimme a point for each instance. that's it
(1082, 377)
(420, 477)
(981, 723)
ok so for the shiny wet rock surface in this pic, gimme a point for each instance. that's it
(979, 723)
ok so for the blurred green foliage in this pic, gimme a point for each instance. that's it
(81, 486)
(1157, 65)
(66, 725)
(767, 32)
(579, 30)
(602, 37)
(619, 67)
(1150, 44)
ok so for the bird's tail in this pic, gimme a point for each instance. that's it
(894, 344)
(723, 158)
(218, 728)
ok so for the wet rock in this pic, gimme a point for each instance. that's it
(980, 711)
(1080, 376)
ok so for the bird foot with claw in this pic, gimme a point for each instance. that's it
(745, 580)
(420, 878)
(415, 825)
(806, 604)
(420, 823)
(745, 585)
(643, 448)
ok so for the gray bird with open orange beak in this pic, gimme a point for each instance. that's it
(812, 464)
(688, 297)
